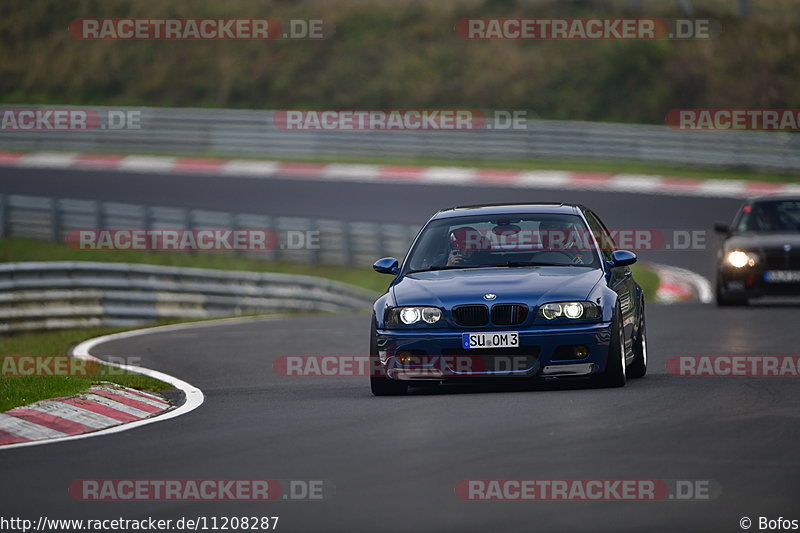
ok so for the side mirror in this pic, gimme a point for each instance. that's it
(387, 265)
(621, 258)
(722, 228)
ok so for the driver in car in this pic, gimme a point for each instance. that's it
(464, 243)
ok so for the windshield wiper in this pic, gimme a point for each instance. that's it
(508, 264)
(538, 264)
(527, 264)
(450, 267)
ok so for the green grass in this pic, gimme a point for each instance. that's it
(22, 390)
(647, 279)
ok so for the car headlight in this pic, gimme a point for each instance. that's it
(739, 259)
(570, 310)
(407, 316)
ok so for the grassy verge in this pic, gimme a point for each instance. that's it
(647, 279)
(21, 390)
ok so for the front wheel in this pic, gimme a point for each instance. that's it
(615, 372)
(638, 367)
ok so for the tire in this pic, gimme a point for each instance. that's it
(381, 385)
(615, 373)
(725, 300)
(638, 368)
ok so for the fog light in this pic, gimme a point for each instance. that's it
(581, 352)
(405, 358)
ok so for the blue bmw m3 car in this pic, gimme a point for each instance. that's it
(511, 291)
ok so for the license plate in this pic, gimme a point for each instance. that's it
(502, 339)
(782, 276)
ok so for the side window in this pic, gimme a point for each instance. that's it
(601, 234)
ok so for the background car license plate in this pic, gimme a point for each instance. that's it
(782, 276)
(501, 339)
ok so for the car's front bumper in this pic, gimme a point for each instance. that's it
(547, 351)
(752, 282)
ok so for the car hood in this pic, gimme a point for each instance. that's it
(762, 241)
(530, 285)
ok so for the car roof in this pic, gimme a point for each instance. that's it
(509, 208)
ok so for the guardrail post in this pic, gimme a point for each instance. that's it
(55, 220)
(381, 238)
(314, 250)
(347, 244)
(3, 216)
(97, 214)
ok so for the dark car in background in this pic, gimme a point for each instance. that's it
(760, 255)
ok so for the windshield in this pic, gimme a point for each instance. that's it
(503, 241)
(770, 216)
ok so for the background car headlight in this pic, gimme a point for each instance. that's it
(570, 310)
(739, 259)
(406, 316)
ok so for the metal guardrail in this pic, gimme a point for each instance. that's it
(252, 132)
(66, 294)
(339, 242)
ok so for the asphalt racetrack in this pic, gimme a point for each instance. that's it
(392, 464)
